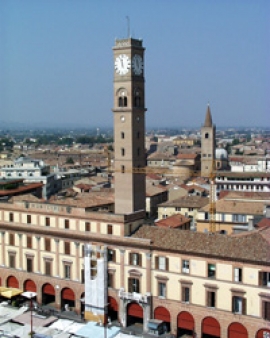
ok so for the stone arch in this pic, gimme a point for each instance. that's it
(48, 294)
(237, 330)
(67, 298)
(210, 326)
(163, 314)
(185, 323)
(29, 285)
(134, 313)
(12, 282)
(263, 333)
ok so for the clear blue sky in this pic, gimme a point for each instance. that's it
(56, 61)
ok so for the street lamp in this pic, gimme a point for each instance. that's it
(30, 295)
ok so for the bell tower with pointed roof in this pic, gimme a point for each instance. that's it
(208, 144)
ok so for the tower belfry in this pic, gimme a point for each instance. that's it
(208, 144)
(129, 125)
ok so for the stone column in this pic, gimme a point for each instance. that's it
(57, 296)
(77, 276)
(146, 316)
(20, 252)
(57, 256)
(122, 268)
(122, 312)
(38, 254)
(3, 249)
(148, 256)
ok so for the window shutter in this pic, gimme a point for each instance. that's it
(130, 285)
(167, 264)
(130, 258)
(244, 306)
(233, 303)
(139, 259)
(156, 262)
(260, 278)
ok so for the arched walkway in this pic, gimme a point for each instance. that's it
(12, 282)
(163, 314)
(112, 308)
(237, 330)
(48, 294)
(263, 333)
(67, 298)
(185, 324)
(134, 314)
(30, 285)
(210, 328)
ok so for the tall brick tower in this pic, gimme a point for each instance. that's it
(129, 125)
(208, 144)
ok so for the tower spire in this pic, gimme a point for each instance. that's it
(208, 117)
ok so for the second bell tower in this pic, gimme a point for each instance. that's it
(129, 125)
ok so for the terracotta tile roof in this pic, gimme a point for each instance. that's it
(186, 156)
(251, 195)
(253, 246)
(152, 190)
(187, 202)
(265, 222)
(238, 207)
(174, 221)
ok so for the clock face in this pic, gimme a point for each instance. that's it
(122, 64)
(122, 118)
(137, 64)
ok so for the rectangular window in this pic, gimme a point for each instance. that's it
(28, 219)
(134, 259)
(111, 255)
(122, 135)
(47, 221)
(211, 299)
(11, 239)
(206, 216)
(133, 285)
(185, 266)
(67, 271)
(185, 294)
(211, 270)
(264, 278)
(162, 263)
(11, 259)
(122, 169)
(238, 275)
(87, 226)
(29, 242)
(109, 229)
(29, 265)
(266, 310)
(67, 248)
(66, 223)
(123, 151)
(239, 305)
(11, 217)
(47, 244)
(47, 268)
(162, 289)
(82, 276)
(110, 280)
(177, 209)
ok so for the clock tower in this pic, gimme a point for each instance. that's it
(129, 125)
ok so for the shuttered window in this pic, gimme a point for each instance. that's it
(11, 239)
(211, 299)
(47, 244)
(133, 285)
(67, 248)
(66, 224)
(47, 221)
(135, 259)
(162, 263)
(47, 268)
(29, 242)
(28, 219)
(239, 305)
